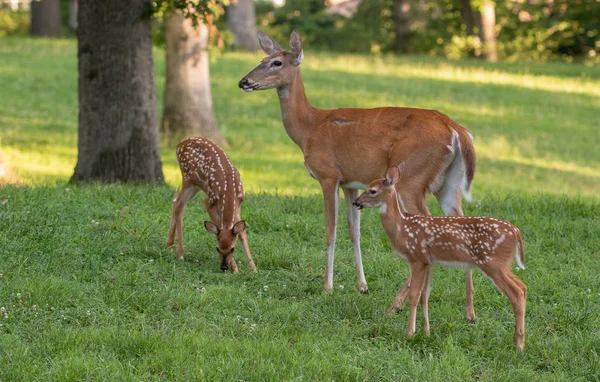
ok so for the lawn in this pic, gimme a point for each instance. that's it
(88, 292)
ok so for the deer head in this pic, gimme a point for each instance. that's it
(379, 190)
(226, 239)
(276, 70)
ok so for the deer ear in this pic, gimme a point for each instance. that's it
(296, 44)
(239, 227)
(268, 44)
(210, 227)
(392, 176)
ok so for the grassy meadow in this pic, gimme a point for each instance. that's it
(88, 291)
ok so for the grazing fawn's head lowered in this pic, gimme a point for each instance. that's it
(205, 167)
(488, 244)
(276, 70)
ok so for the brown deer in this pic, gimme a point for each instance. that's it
(349, 148)
(486, 243)
(204, 166)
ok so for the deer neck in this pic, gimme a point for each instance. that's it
(392, 217)
(298, 115)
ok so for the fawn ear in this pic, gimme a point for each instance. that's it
(210, 227)
(268, 44)
(296, 44)
(239, 227)
(393, 175)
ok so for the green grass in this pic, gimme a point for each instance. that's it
(91, 294)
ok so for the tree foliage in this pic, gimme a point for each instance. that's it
(526, 29)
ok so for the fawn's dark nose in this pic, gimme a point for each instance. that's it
(224, 268)
(355, 204)
(243, 82)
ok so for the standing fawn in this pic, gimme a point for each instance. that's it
(204, 166)
(486, 243)
(348, 148)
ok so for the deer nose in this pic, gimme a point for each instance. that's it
(243, 82)
(224, 268)
(356, 204)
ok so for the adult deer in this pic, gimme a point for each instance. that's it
(486, 243)
(349, 148)
(204, 166)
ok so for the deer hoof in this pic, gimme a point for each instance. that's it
(392, 310)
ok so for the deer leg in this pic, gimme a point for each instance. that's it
(181, 199)
(171, 233)
(244, 240)
(425, 298)
(411, 205)
(354, 229)
(331, 200)
(451, 202)
(508, 284)
(418, 273)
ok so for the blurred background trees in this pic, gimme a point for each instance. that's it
(566, 30)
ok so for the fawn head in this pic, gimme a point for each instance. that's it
(377, 192)
(226, 239)
(278, 69)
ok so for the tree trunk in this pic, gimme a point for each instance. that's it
(188, 109)
(466, 12)
(73, 15)
(488, 28)
(241, 20)
(402, 21)
(45, 18)
(118, 129)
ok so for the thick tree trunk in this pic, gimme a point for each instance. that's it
(488, 29)
(45, 18)
(73, 15)
(118, 129)
(241, 20)
(188, 109)
(402, 21)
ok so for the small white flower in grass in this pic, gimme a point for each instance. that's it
(1, 275)
(202, 290)
(266, 288)
(589, 290)
(18, 295)
(253, 326)
(284, 286)
(67, 189)
(89, 313)
(341, 287)
(151, 260)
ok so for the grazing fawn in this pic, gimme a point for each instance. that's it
(486, 243)
(204, 166)
(348, 148)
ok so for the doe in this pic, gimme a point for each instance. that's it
(204, 166)
(485, 243)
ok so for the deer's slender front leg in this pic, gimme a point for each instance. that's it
(425, 298)
(331, 200)
(244, 240)
(354, 229)
(418, 273)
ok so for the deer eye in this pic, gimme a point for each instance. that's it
(277, 63)
(372, 191)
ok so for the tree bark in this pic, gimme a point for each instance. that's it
(241, 20)
(188, 109)
(45, 18)
(402, 21)
(466, 11)
(73, 15)
(488, 28)
(118, 128)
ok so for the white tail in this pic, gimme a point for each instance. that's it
(349, 148)
(204, 166)
(485, 243)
